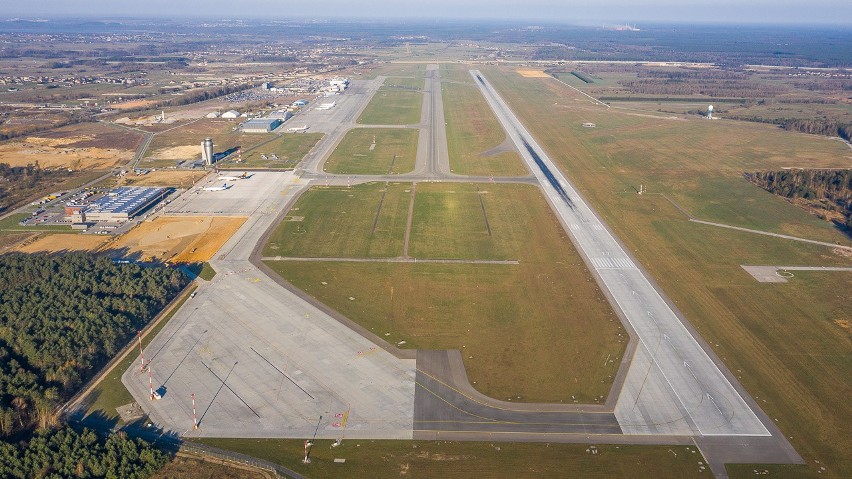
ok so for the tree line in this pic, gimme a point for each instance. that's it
(827, 189)
(61, 318)
(62, 453)
(814, 126)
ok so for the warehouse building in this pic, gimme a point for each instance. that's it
(261, 125)
(123, 203)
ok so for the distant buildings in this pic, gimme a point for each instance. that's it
(231, 114)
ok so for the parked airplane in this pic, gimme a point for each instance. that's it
(242, 176)
(298, 129)
(224, 187)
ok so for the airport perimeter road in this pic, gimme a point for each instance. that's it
(672, 387)
(260, 360)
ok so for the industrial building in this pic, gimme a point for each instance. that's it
(261, 125)
(123, 203)
(231, 114)
(282, 115)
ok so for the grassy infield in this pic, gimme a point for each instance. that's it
(290, 148)
(781, 339)
(397, 102)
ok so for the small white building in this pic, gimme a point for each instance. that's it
(212, 114)
(231, 114)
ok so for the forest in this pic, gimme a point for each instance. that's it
(828, 192)
(62, 453)
(61, 318)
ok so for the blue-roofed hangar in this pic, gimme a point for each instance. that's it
(123, 203)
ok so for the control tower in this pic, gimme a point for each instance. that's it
(207, 151)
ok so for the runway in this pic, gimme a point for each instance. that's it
(673, 386)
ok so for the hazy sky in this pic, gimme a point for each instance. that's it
(569, 11)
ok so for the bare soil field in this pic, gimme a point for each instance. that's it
(533, 74)
(177, 152)
(50, 153)
(178, 178)
(54, 243)
(133, 104)
(177, 239)
(87, 145)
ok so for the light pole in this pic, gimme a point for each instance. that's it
(309, 443)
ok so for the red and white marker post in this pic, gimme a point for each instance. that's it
(194, 416)
(141, 355)
(151, 384)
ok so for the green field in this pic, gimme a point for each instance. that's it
(415, 83)
(374, 151)
(518, 325)
(422, 459)
(11, 224)
(290, 148)
(399, 70)
(454, 221)
(788, 343)
(339, 222)
(472, 130)
(390, 106)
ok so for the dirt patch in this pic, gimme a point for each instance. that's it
(182, 240)
(532, 74)
(53, 243)
(178, 152)
(9, 241)
(132, 104)
(178, 178)
(58, 152)
(845, 324)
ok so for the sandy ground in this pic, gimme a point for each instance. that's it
(183, 239)
(52, 243)
(178, 178)
(146, 120)
(533, 74)
(132, 104)
(52, 152)
(178, 152)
